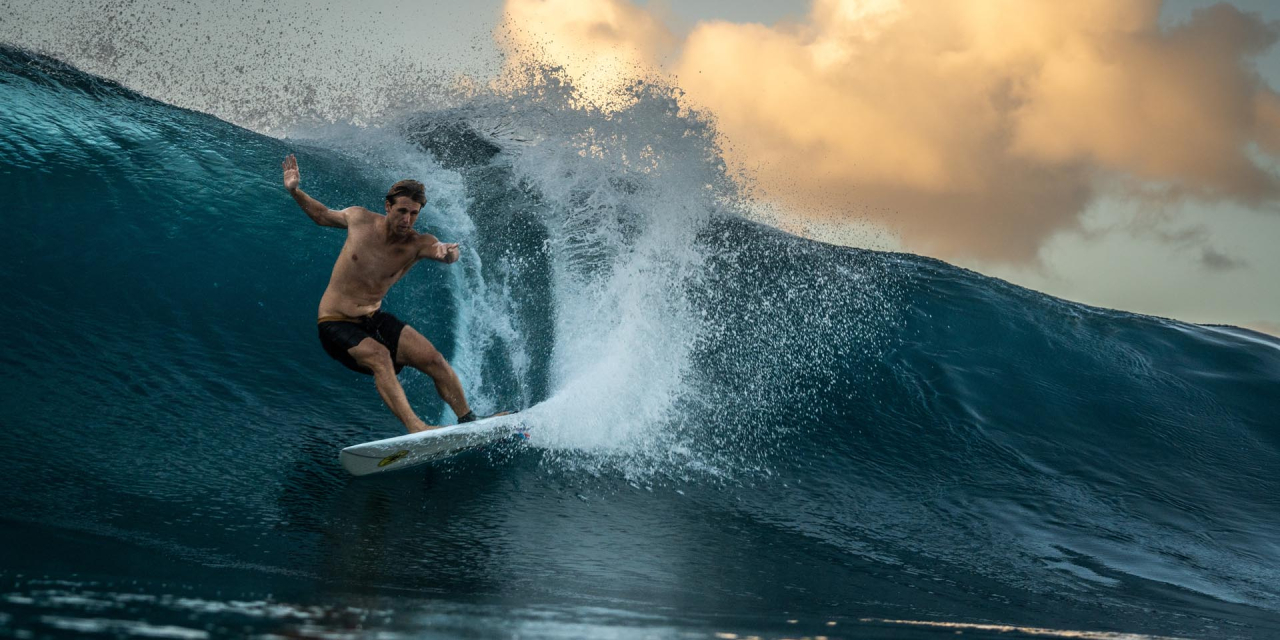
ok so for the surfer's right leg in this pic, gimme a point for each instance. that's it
(416, 351)
(371, 355)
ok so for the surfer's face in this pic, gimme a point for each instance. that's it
(401, 215)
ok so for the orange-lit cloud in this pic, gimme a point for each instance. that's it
(974, 129)
(600, 44)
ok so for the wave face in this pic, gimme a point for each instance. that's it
(734, 428)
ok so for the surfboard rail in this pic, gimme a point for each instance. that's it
(413, 449)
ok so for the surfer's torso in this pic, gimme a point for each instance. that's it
(370, 262)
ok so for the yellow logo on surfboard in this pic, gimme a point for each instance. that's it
(393, 457)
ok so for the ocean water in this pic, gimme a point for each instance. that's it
(736, 432)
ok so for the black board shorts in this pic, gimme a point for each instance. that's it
(339, 335)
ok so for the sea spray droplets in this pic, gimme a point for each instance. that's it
(625, 197)
(676, 339)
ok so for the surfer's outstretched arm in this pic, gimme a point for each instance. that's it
(322, 215)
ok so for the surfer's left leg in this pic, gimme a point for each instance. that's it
(418, 352)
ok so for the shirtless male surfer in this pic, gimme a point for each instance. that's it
(354, 329)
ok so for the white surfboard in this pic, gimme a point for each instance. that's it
(409, 450)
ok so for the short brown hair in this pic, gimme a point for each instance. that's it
(411, 189)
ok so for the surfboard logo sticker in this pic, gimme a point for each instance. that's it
(393, 457)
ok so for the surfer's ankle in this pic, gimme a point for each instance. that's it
(469, 416)
(417, 425)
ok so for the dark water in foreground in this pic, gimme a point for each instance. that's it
(736, 431)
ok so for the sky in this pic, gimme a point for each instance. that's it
(1117, 153)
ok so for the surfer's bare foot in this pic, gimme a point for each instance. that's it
(420, 426)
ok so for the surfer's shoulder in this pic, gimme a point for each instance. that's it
(359, 215)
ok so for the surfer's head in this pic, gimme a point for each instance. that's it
(404, 201)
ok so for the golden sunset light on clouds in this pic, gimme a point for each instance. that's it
(972, 129)
(600, 45)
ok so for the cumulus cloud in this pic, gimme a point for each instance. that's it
(1193, 239)
(600, 44)
(973, 129)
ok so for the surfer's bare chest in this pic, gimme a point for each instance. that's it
(368, 258)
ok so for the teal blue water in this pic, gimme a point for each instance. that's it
(735, 430)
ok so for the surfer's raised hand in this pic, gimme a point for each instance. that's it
(444, 252)
(291, 176)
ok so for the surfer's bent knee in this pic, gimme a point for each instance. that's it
(379, 365)
(433, 360)
(374, 357)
